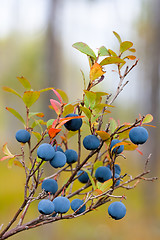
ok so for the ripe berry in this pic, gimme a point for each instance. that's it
(103, 174)
(62, 204)
(58, 148)
(76, 203)
(59, 160)
(118, 149)
(117, 210)
(117, 168)
(71, 156)
(138, 135)
(46, 207)
(74, 124)
(118, 181)
(45, 151)
(50, 185)
(22, 136)
(91, 142)
(84, 178)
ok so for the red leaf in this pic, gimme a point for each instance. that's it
(64, 120)
(139, 151)
(58, 95)
(53, 132)
(56, 106)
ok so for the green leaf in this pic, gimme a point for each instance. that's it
(69, 108)
(113, 125)
(89, 99)
(102, 51)
(26, 84)
(38, 114)
(50, 122)
(148, 118)
(46, 89)
(30, 97)
(99, 107)
(37, 135)
(107, 184)
(63, 95)
(7, 89)
(97, 164)
(117, 36)
(125, 46)
(16, 114)
(112, 53)
(91, 61)
(111, 60)
(84, 48)
(10, 162)
(90, 177)
(86, 111)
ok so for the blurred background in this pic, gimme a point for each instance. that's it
(36, 38)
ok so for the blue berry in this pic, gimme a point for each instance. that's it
(117, 169)
(22, 136)
(138, 135)
(62, 204)
(103, 174)
(46, 207)
(118, 149)
(84, 178)
(74, 124)
(91, 142)
(71, 156)
(76, 203)
(58, 148)
(45, 151)
(117, 176)
(50, 185)
(59, 160)
(117, 210)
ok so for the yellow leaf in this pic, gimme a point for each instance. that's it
(96, 72)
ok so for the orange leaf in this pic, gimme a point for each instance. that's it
(53, 132)
(64, 120)
(96, 72)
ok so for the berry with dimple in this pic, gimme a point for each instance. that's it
(117, 210)
(50, 185)
(83, 176)
(62, 204)
(45, 151)
(138, 135)
(103, 174)
(22, 136)
(59, 160)
(71, 156)
(118, 149)
(46, 207)
(73, 124)
(91, 142)
(76, 203)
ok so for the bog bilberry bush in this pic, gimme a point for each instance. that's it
(95, 174)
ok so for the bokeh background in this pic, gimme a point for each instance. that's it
(36, 38)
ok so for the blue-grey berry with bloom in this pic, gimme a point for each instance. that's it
(23, 136)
